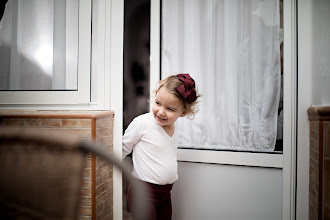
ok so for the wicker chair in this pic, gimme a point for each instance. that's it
(41, 174)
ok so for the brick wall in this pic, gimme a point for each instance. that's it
(96, 194)
(314, 170)
(319, 172)
(104, 171)
(326, 171)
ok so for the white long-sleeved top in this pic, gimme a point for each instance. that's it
(154, 151)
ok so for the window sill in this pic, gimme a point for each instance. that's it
(231, 158)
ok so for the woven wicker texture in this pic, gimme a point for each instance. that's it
(40, 175)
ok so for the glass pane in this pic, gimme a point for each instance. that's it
(232, 50)
(39, 45)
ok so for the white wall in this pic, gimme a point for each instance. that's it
(304, 102)
(214, 191)
(320, 53)
(313, 84)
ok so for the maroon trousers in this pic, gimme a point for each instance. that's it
(158, 201)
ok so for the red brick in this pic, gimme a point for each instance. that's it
(86, 210)
(88, 173)
(14, 122)
(82, 133)
(76, 123)
(87, 182)
(102, 188)
(51, 123)
(86, 201)
(101, 132)
(104, 122)
(81, 217)
(86, 192)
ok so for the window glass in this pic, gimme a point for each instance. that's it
(39, 45)
(232, 50)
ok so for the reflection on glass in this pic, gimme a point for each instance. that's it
(38, 44)
(44, 56)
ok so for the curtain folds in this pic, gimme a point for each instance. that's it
(232, 50)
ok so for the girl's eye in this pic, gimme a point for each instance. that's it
(157, 103)
(172, 110)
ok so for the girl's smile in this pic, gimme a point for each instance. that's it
(160, 118)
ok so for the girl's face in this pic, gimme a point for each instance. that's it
(167, 108)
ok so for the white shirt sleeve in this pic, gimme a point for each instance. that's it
(131, 137)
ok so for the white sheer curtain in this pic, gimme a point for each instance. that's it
(39, 45)
(232, 50)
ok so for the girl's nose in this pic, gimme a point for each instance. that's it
(161, 111)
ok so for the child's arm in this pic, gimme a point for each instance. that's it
(131, 137)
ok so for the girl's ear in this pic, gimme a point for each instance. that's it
(184, 113)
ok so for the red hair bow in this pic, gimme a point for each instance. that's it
(187, 90)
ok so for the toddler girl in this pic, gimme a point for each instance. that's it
(153, 137)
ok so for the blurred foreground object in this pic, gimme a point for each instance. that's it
(41, 174)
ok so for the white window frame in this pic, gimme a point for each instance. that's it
(80, 96)
(109, 91)
(304, 100)
(285, 161)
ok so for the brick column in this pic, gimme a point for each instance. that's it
(97, 126)
(319, 171)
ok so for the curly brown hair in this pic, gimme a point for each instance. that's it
(171, 83)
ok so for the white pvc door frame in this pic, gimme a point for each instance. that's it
(285, 161)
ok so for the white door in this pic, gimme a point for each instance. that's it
(231, 184)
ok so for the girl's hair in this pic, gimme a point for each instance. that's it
(171, 83)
